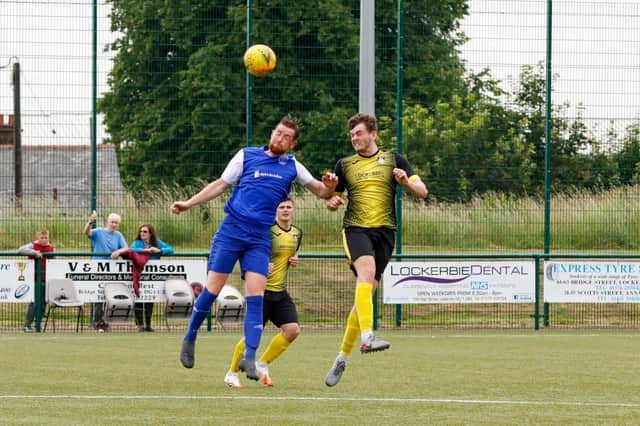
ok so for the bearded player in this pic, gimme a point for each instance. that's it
(261, 178)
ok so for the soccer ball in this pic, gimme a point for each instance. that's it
(259, 60)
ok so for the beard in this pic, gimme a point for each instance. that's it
(277, 149)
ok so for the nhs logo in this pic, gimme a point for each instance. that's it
(479, 285)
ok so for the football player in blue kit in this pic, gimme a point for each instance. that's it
(261, 178)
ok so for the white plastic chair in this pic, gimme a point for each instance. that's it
(229, 305)
(180, 300)
(62, 293)
(118, 303)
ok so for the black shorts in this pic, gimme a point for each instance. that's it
(278, 308)
(376, 242)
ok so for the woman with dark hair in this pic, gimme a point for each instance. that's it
(147, 241)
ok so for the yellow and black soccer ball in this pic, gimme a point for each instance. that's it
(259, 60)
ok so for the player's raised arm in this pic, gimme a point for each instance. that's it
(208, 193)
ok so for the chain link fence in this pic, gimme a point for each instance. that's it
(126, 106)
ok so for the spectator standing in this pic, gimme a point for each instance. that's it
(34, 250)
(147, 241)
(104, 240)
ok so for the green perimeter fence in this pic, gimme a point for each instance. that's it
(322, 287)
(520, 115)
(517, 114)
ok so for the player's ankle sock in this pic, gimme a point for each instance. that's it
(364, 306)
(201, 309)
(252, 326)
(367, 336)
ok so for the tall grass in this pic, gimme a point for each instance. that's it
(605, 221)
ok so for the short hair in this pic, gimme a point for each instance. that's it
(292, 123)
(369, 121)
(114, 216)
(42, 231)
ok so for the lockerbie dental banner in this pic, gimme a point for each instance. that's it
(492, 281)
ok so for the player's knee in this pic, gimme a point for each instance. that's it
(291, 331)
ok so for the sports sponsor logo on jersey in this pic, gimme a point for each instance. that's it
(257, 174)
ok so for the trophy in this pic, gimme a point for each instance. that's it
(22, 265)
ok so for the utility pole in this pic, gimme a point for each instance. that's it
(367, 81)
(17, 136)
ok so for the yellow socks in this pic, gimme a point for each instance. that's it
(351, 334)
(364, 306)
(238, 353)
(277, 345)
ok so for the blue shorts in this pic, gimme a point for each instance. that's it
(235, 240)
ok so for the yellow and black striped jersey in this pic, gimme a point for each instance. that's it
(371, 187)
(284, 244)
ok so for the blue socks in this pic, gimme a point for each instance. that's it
(253, 326)
(201, 309)
(252, 320)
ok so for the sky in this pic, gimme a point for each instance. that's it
(52, 40)
(596, 52)
(596, 47)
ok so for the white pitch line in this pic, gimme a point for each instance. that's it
(336, 399)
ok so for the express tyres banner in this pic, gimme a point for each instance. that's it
(459, 282)
(89, 276)
(591, 282)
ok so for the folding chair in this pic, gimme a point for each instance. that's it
(118, 303)
(62, 293)
(180, 300)
(229, 305)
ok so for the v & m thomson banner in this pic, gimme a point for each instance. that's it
(89, 276)
(592, 282)
(16, 280)
(460, 282)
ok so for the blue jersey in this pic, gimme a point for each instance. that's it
(138, 246)
(261, 184)
(106, 242)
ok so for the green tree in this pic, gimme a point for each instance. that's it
(158, 116)
(175, 108)
(577, 157)
(628, 158)
(469, 145)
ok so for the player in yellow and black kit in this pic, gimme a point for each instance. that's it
(278, 306)
(370, 177)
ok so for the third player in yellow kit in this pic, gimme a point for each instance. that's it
(278, 305)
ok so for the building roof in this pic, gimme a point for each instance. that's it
(61, 175)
